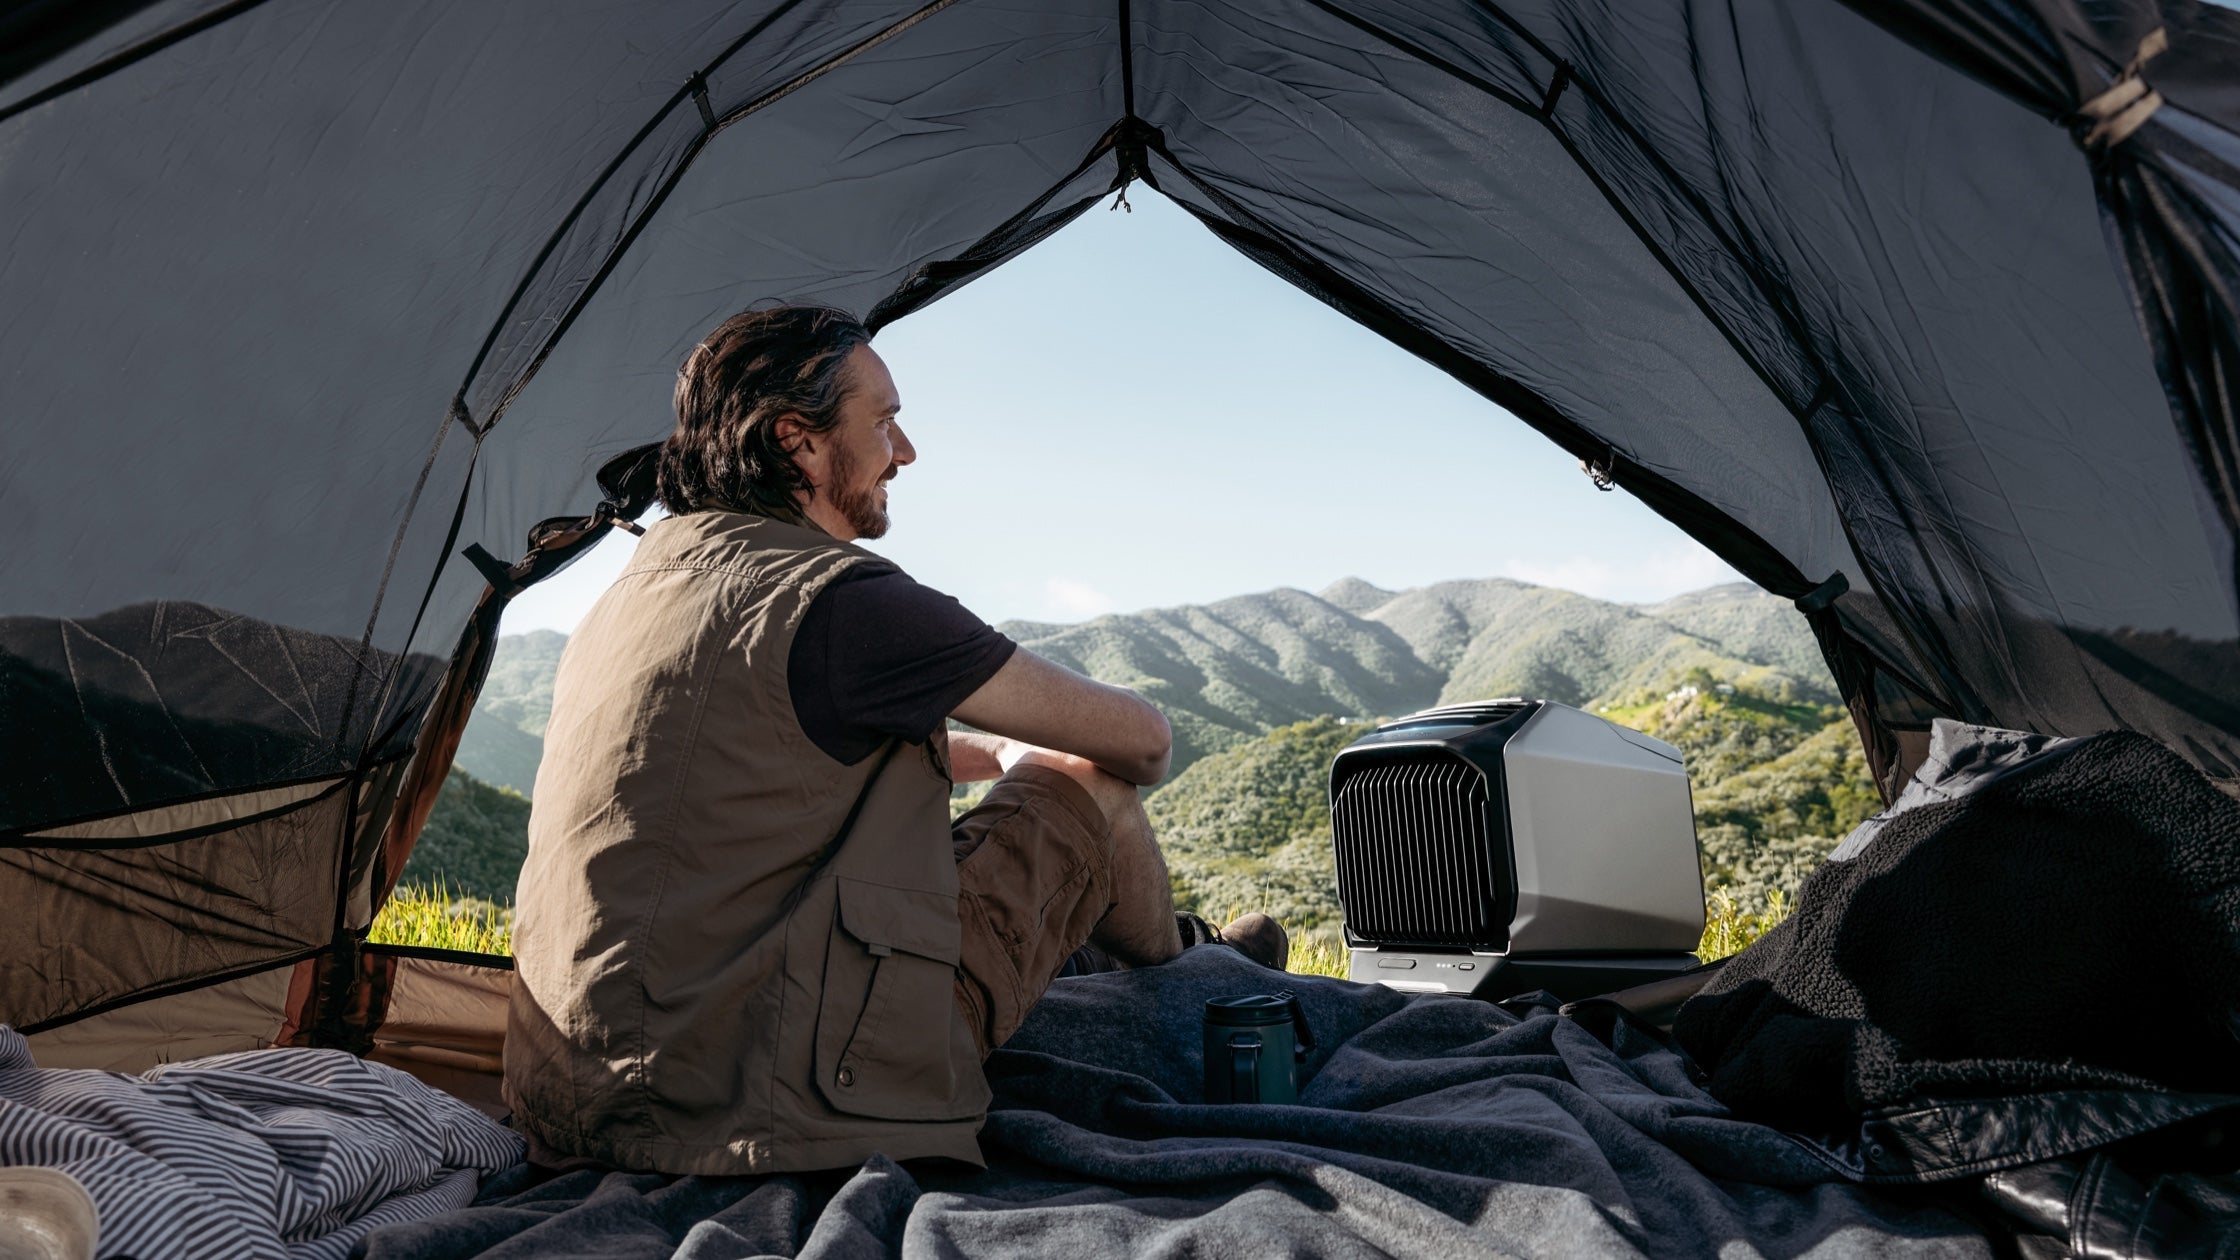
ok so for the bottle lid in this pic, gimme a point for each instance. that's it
(1249, 1010)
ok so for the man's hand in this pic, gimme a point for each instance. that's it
(1036, 703)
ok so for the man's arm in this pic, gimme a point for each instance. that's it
(976, 756)
(1039, 703)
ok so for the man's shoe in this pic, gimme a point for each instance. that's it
(1256, 936)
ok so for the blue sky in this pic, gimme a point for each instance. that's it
(1132, 415)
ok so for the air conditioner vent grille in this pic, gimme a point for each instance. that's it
(1415, 865)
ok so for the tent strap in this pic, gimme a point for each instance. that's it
(2128, 102)
(338, 998)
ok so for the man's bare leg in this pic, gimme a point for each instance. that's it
(1139, 930)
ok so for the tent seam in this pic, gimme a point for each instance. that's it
(583, 202)
(20, 840)
(1127, 59)
(138, 52)
(1825, 386)
(880, 316)
(684, 165)
(605, 269)
(174, 990)
(388, 571)
(427, 595)
(1551, 417)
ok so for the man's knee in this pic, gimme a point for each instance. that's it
(1115, 797)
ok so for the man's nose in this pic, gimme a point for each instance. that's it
(904, 453)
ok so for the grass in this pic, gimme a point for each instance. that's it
(431, 917)
(1314, 956)
(1729, 928)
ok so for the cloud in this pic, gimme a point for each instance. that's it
(1641, 579)
(1068, 599)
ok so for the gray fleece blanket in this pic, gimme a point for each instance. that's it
(1427, 1127)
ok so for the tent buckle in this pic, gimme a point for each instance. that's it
(1603, 473)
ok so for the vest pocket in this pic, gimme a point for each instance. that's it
(887, 1043)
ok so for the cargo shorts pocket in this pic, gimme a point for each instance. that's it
(888, 1030)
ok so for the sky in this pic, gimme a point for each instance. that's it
(1132, 415)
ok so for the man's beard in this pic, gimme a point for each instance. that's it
(860, 508)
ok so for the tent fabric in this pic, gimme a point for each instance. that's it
(302, 300)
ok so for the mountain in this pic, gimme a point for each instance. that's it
(1263, 690)
(1226, 672)
(1355, 596)
(504, 740)
(1249, 829)
(1750, 624)
(498, 752)
(519, 688)
(1497, 637)
(475, 840)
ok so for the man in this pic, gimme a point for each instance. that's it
(748, 937)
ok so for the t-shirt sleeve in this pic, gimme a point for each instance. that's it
(879, 657)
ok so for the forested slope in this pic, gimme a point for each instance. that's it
(1264, 689)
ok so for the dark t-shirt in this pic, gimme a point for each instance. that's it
(880, 657)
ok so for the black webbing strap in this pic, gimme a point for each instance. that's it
(1823, 597)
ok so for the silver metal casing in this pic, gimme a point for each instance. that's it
(1591, 879)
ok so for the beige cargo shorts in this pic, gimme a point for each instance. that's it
(1034, 878)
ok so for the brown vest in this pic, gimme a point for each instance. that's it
(706, 983)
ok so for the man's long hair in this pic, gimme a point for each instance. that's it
(757, 366)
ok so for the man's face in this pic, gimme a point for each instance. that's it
(860, 453)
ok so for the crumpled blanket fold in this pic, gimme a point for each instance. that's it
(260, 1155)
(1428, 1127)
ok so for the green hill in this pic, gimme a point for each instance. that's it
(519, 688)
(1776, 784)
(1765, 828)
(1249, 829)
(1264, 689)
(1497, 637)
(1226, 672)
(1722, 727)
(504, 740)
(1355, 596)
(475, 840)
(1751, 625)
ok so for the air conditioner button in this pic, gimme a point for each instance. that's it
(1397, 964)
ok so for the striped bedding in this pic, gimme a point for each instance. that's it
(264, 1155)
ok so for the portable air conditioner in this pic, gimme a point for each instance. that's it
(1511, 845)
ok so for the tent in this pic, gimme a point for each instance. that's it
(325, 328)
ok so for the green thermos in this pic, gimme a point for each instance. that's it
(1254, 1047)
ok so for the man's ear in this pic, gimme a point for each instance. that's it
(801, 445)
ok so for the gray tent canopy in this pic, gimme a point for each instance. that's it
(324, 328)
